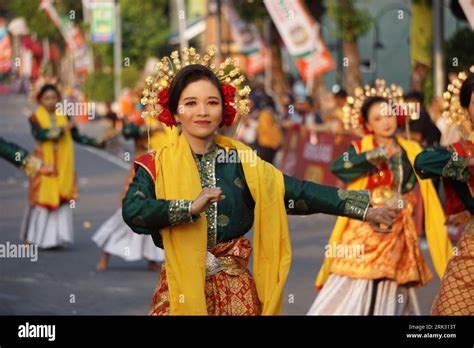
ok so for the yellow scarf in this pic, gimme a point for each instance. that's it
(162, 137)
(186, 245)
(436, 232)
(54, 188)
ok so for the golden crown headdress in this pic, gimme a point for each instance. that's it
(352, 108)
(453, 111)
(227, 72)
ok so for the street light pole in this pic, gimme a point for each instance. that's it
(219, 31)
(183, 43)
(117, 52)
(268, 47)
(438, 52)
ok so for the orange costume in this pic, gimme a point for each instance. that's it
(387, 264)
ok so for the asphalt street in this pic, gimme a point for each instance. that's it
(64, 281)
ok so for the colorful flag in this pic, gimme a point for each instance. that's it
(103, 22)
(248, 39)
(72, 36)
(5, 48)
(300, 33)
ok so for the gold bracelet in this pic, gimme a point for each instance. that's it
(31, 165)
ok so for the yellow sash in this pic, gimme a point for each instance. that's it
(186, 245)
(436, 232)
(162, 137)
(54, 188)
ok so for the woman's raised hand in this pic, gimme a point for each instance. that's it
(205, 199)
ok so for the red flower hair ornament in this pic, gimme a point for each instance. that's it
(228, 110)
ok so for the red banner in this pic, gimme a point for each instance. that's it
(308, 156)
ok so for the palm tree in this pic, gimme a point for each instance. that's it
(351, 24)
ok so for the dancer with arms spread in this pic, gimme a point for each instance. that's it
(200, 196)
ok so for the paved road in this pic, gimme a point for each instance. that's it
(64, 282)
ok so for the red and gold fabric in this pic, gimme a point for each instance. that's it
(462, 149)
(231, 291)
(456, 294)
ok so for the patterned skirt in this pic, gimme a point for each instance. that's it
(395, 255)
(456, 294)
(230, 291)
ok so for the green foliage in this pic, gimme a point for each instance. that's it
(145, 29)
(37, 20)
(460, 50)
(251, 10)
(428, 87)
(103, 55)
(130, 76)
(99, 86)
(351, 22)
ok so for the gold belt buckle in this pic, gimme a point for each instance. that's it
(213, 265)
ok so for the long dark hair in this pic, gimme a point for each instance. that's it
(45, 88)
(368, 103)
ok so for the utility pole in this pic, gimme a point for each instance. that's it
(268, 67)
(438, 50)
(117, 52)
(183, 43)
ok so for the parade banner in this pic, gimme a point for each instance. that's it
(248, 39)
(309, 160)
(5, 48)
(103, 22)
(72, 36)
(300, 33)
(48, 7)
(468, 8)
(83, 61)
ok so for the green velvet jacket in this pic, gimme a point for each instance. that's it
(13, 153)
(19, 157)
(352, 165)
(233, 216)
(132, 131)
(53, 133)
(446, 163)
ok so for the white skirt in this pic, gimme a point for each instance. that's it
(349, 296)
(48, 228)
(116, 238)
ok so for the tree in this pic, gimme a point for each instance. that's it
(460, 50)
(421, 38)
(351, 24)
(145, 29)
